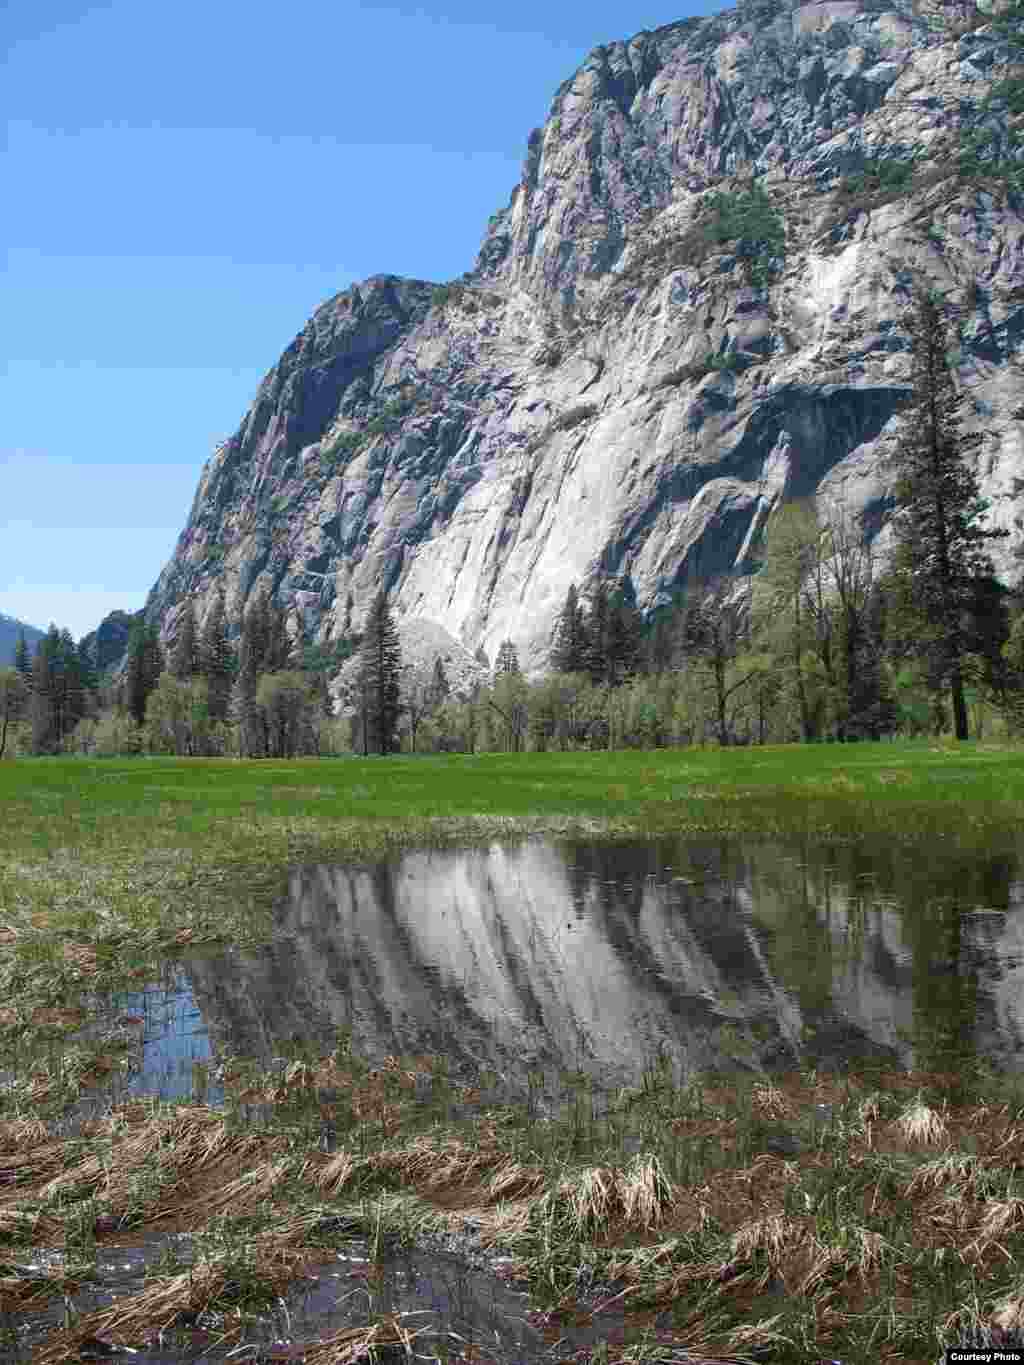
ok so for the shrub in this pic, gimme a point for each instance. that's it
(114, 734)
(746, 217)
(724, 360)
(886, 176)
(340, 449)
(390, 416)
(458, 295)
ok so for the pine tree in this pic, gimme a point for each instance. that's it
(254, 636)
(438, 689)
(571, 643)
(252, 739)
(598, 652)
(939, 540)
(145, 664)
(69, 693)
(625, 633)
(216, 660)
(184, 656)
(22, 658)
(278, 649)
(87, 667)
(380, 664)
(41, 708)
(507, 660)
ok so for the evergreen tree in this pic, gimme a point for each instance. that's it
(507, 660)
(58, 687)
(939, 541)
(216, 660)
(254, 635)
(612, 635)
(22, 658)
(68, 692)
(658, 646)
(145, 664)
(266, 628)
(87, 668)
(184, 655)
(598, 630)
(45, 739)
(252, 643)
(278, 649)
(625, 636)
(571, 645)
(438, 689)
(380, 665)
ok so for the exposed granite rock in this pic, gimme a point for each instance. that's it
(551, 418)
(109, 640)
(422, 643)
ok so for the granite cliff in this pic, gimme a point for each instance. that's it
(691, 307)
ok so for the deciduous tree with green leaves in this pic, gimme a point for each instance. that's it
(13, 699)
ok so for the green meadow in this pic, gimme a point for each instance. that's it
(101, 843)
(862, 1217)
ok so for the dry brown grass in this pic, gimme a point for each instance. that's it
(166, 1304)
(721, 1241)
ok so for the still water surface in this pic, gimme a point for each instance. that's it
(540, 959)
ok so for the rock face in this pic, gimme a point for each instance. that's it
(611, 392)
(422, 644)
(109, 641)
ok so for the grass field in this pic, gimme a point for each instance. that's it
(892, 1228)
(145, 846)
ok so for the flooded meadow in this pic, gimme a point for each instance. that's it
(666, 1100)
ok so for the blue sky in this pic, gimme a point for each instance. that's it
(183, 185)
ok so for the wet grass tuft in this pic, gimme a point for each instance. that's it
(865, 1244)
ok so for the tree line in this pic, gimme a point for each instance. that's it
(257, 691)
(818, 644)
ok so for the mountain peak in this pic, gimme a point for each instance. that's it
(692, 307)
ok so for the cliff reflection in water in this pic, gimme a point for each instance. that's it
(724, 952)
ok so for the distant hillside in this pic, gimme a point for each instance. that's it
(10, 629)
(109, 639)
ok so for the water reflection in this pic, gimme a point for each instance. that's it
(545, 958)
(719, 953)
